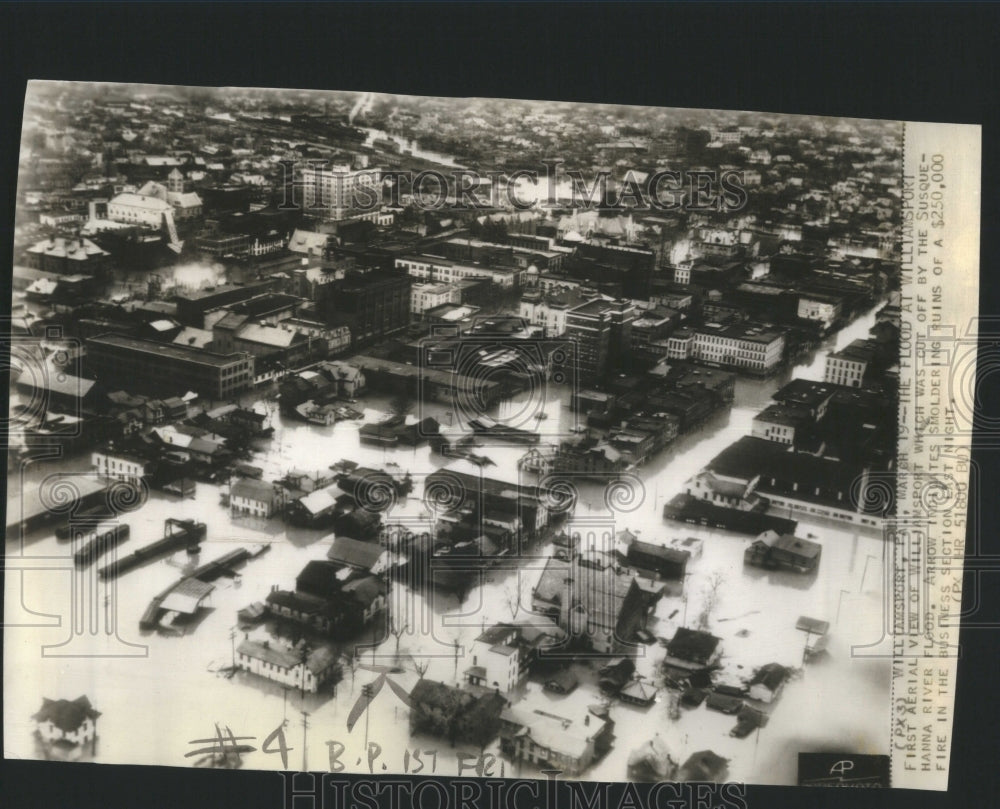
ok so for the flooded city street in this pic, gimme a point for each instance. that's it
(184, 687)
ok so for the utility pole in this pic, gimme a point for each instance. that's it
(232, 642)
(305, 727)
(839, 602)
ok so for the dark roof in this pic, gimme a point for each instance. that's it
(639, 690)
(788, 415)
(563, 679)
(318, 577)
(259, 490)
(804, 392)
(300, 602)
(692, 645)
(354, 553)
(154, 348)
(646, 551)
(770, 676)
(800, 547)
(704, 766)
(65, 714)
(497, 633)
(812, 625)
(434, 694)
(365, 590)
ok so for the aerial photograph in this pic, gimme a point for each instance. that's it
(384, 434)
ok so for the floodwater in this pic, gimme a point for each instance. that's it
(68, 634)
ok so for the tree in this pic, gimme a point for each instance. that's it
(421, 666)
(512, 598)
(398, 628)
(304, 651)
(712, 587)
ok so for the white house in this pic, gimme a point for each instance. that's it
(286, 665)
(116, 465)
(256, 498)
(497, 658)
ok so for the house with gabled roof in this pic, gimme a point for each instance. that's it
(551, 741)
(66, 723)
(691, 651)
(299, 667)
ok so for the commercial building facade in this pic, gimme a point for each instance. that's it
(141, 365)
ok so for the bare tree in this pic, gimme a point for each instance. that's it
(398, 628)
(512, 598)
(421, 666)
(712, 588)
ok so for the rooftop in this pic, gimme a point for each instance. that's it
(354, 553)
(65, 714)
(253, 489)
(177, 352)
(747, 331)
(77, 249)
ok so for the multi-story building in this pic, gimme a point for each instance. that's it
(118, 465)
(849, 365)
(256, 498)
(501, 657)
(493, 498)
(596, 604)
(424, 296)
(549, 741)
(432, 268)
(338, 191)
(779, 423)
(548, 311)
(186, 205)
(601, 330)
(136, 209)
(194, 305)
(374, 305)
(59, 254)
(682, 273)
(824, 308)
(490, 254)
(337, 338)
(146, 365)
(741, 346)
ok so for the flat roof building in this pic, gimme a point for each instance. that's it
(146, 365)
